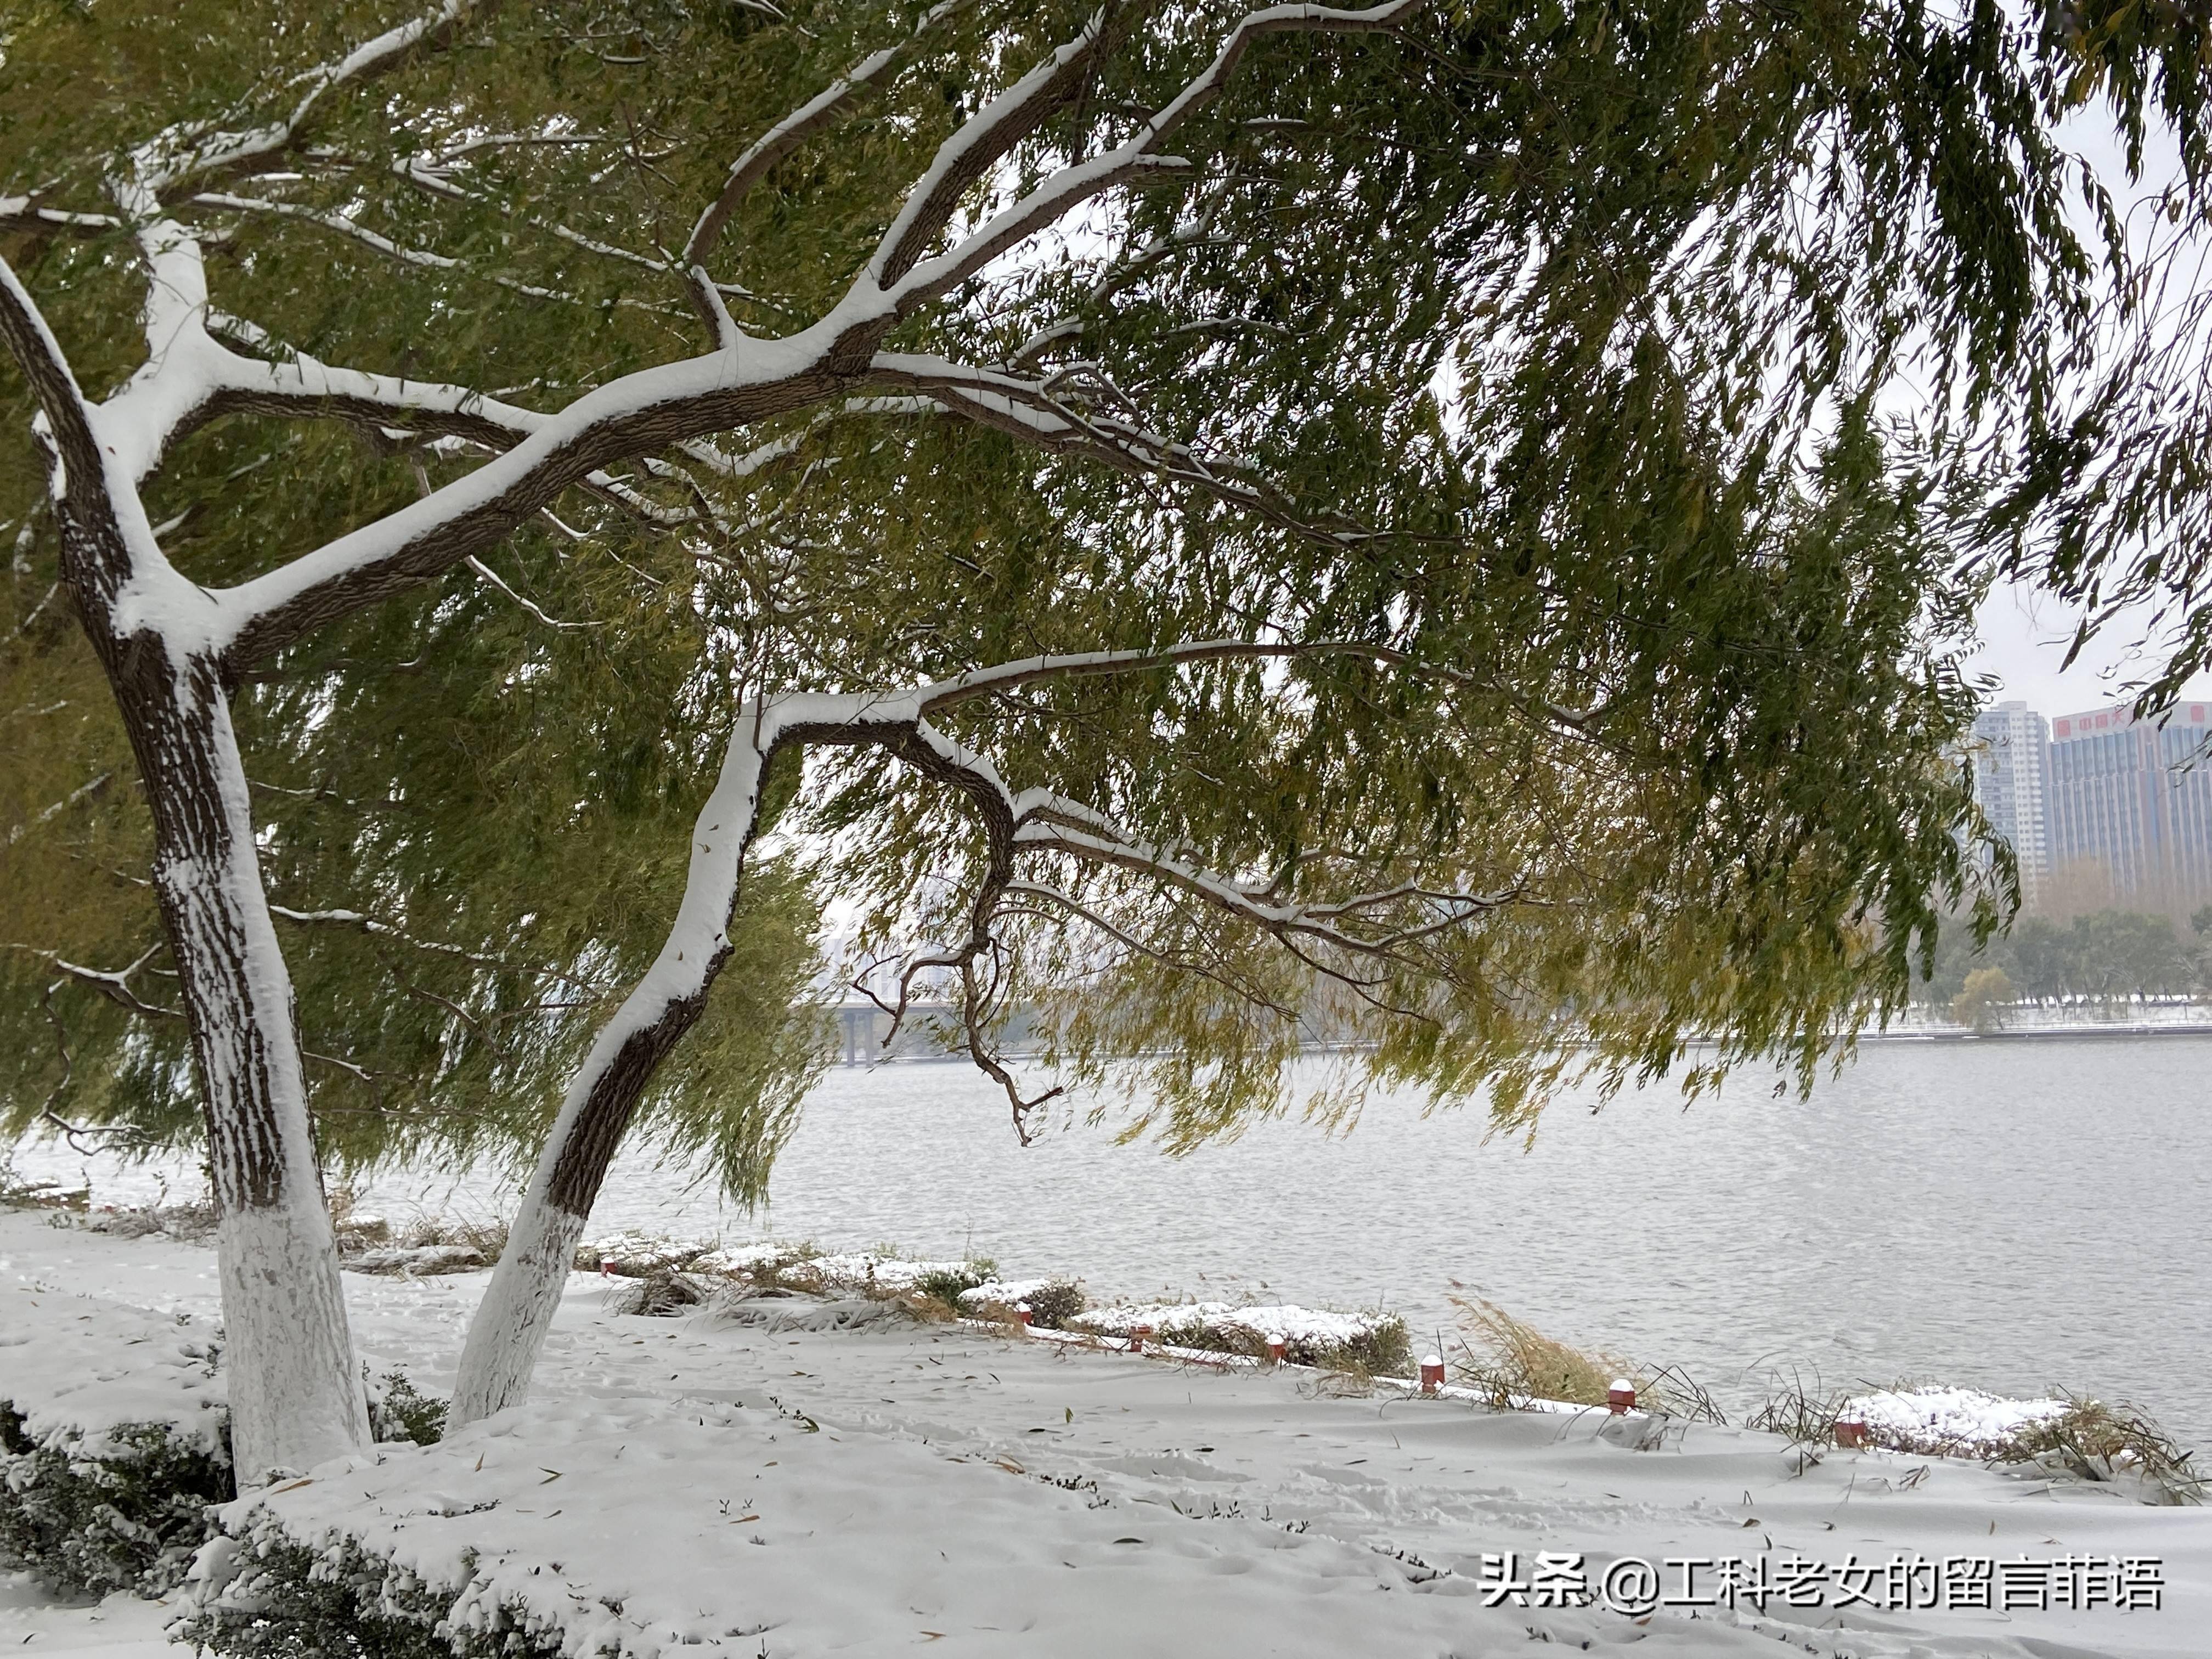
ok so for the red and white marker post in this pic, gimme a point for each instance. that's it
(1620, 1398)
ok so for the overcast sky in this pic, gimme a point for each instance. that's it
(2024, 639)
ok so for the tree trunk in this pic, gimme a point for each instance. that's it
(295, 1395)
(511, 1325)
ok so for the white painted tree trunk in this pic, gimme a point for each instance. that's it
(512, 1323)
(295, 1395)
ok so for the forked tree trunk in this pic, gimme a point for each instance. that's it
(511, 1325)
(295, 1396)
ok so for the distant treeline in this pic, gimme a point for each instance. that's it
(2102, 955)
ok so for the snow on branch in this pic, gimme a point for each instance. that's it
(25, 213)
(67, 417)
(760, 158)
(394, 49)
(1322, 923)
(987, 682)
(1377, 925)
(47, 814)
(1030, 409)
(899, 268)
(987, 137)
(377, 242)
(676, 406)
(114, 985)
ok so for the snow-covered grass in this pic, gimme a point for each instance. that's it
(947, 1485)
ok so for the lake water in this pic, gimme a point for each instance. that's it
(2012, 1214)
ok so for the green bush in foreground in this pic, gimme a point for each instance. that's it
(269, 1597)
(400, 1411)
(128, 1510)
(126, 1515)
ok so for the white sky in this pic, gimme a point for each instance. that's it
(2024, 633)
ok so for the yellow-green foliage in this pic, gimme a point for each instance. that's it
(1539, 355)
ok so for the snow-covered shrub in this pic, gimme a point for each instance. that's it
(2072, 1437)
(398, 1412)
(1374, 1344)
(370, 1244)
(267, 1595)
(660, 1294)
(1056, 1302)
(1930, 1421)
(878, 1272)
(124, 1512)
(948, 1284)
(462, 1550)
(1051, 1301)
(115, 1431)
(634, 1255)
(413, 1261)
(190, 1223)
(356, 1229)
(763, 1267)
(2089, 1440)
(20, 1192)
(115, 1442)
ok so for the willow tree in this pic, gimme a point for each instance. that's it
(1376, 519)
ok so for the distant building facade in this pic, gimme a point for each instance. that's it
(2011, 775)
(2135, 795)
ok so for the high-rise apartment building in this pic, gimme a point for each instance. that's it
(2011, 780)
(2136, 795)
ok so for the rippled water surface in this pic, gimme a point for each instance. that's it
(2010, 1214)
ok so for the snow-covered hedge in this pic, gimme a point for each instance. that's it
(792, 1266)
(263, 1594)
(1053, 1302)
(1935, 1421)
(115, 1429)
(1375, 1343)
(115, 1441)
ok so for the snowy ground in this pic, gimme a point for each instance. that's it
(1003, 1497)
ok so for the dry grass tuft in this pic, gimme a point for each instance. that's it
(2093, 1441)
(659, 1294)
(1510, 1358)
(1802, 1413)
